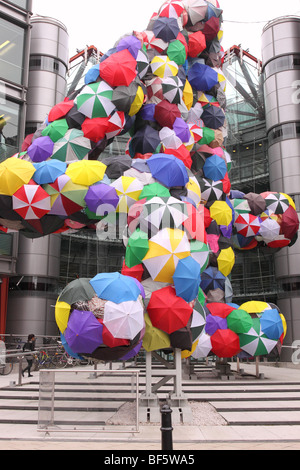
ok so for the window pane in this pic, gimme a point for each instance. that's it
(11, 51)
(9, 126)
(20, 3)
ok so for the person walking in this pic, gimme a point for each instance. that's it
(29, 346)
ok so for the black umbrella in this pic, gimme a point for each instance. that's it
(116, 165)
(123, 96)
(42, 227)
(77, 290)
(166, 29)
(146, 140)
(74, 118)
(213, 117)
(6, 210)
(182, 339)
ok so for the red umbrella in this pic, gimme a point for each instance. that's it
(211, 28)
(290, 223)
(168, 312)
(60, 110)
(27, 142)
(31, 202)
(197, 44)
(95, 129)
(182, 153)
(166, 113)
(136, 272)
(219, 309)
(110, 341)
(225, 343)
(119, 69)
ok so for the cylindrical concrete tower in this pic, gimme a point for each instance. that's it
(48, 66)
(281, 68)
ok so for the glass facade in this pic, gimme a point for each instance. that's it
(9, 124)
(12, 39)
(21, 3)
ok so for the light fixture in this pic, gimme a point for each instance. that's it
(5, 43)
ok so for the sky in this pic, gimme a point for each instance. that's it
(102, 22)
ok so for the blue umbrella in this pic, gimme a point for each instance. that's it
(92, 75)
(213, 117)
(115, 287)
(271, 324)
(202, 77)
(166, 29)
(211, 279)
(215, 168)
(168, 170)
(187, 278)
(48, 172)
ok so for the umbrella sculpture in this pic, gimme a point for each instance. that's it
(166, 88)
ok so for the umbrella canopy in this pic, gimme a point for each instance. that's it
(124, 320)
(62, 314)
(215, 168)
(137, 248)
(159, 213)
(95, 129)
(177, 52)
(197, 10)
(168, 170)
(197, 44)
(74, 118)
(145, 140)
(255, 306)
(31, 202)
(123, 96)
(112, 342)
(166, 248)
(84, 332)
(95, 100)
(200, 253)
(247, 225)
(202, 78)
(214, 323)
(131, 43)
(271, 324)
(13, 174)
(225, 343)
(256, 203)
(154, 190)
(119, 69)
(66, 197)
(187, 278)
(269, 230)
(72, 147)
(212, 279)
(166, 28)
(277, 203)
(128, 190)
(115, 287)
(219, 309)
(142, 63)
(101, 199)
(41, 149)
(68, 349)
(166, 113)
(163, 67)
(182, 338)
(213, 117)
(290, 223)
(239, 321)
(86, 172)
(167, 311)
(154, 338)
(255, 342)
(48, 172)
(171, 9)
(226, 261)
(204, 346)
(77, 290)
(198, 321)
(55, 130)
(240, 206)
(60, 110)
(211, 190)
(221, 213)
(172, 88)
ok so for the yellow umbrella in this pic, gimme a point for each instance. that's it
(166, 248)
(185, 354)
(14, 173)
(221, 213)
(154, 338)
(290, 200)
(86, 172)
(188, 96)
(194, 190)
(137, 103)
(163, 67)
(255, 306)
(62, 314)
(129, 190)
(226, 260)
(284, 325)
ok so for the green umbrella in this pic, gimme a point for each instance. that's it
(241, 206)
(177, 52)
(78, 290)
(137, 248)
(239, 321)
(95, 100)
(208, 136)
(153, 190)
(73, 146)
(255, 342)
(159, 213)
(56, 130)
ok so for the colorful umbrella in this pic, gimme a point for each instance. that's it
(221, 213)
(215, 168)
(95, 129)
(255, 306)
(142, 63)
(247, 225)
(13, 174)
(84, 332)
(166, 28)
(145, 140)
(271, 324)
(154, 338)
(269, 230)
(197, 44)
(211, 190)
(60, 110)
(196, 9)
(168, 170)
(112, 342)
(239, 321)
(226, 261)
(256, 203)
(225, 343)
(101, 199)
(124, 320)
(166, 113)
(159, 213)
(154, 190)
(202, 78)
(128, 190)
(277, 203)
(123, 96)
(86, 172)
(95, 100)
(48, 172)
(198, 320)
(166, 248)
(66, 197)
(115, 287)
(212, 279)
(187, 278)
(55, 130)
(62, 314)
(200, 253)
(119, 69)
(172, 88)
(204, 346)
(137, 248)
(214, 323)
(171, 9)
(163, 67)
(177, 52)
(77, 290)
(167, 311)
(290, 223)
(169, 139)
(41, 149)
(31, 202)
(255, 342)
(213, 117)
(131, 43)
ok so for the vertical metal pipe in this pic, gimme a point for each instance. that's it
(166, 428)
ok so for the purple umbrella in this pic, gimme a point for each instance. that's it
(133, 352)
(101, 198)
(147, 112)
(214, 323)
(84, 332)
(132, 43)
(41, 149)
(182, 130)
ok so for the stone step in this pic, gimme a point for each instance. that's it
(262, 418)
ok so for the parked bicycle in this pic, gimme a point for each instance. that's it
(6, 369)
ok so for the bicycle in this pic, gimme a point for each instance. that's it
(43, 361)
(6, 369)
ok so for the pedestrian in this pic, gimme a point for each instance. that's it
(29, 346)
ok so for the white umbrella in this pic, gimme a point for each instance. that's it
(161, 213)
(204, 346)
(269, 230)
(124, 320)
(169, 139)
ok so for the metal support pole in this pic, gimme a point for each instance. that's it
(166, 428)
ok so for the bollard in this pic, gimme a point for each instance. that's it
(166, 428)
